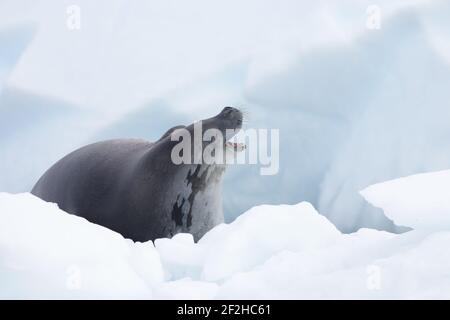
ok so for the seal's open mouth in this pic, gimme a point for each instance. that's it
(235, 146)
(232, 118)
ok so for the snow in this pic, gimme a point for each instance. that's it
(354, 107)
(268, 252)
(247, 242)
(47, 253)
(420, 201)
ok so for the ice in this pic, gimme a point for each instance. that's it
(35, 132)
(136, 51)
(48, 253)
(268, 252)
(420, 201)
(13, 41)
(354, 107)
(180, 256)
(272, 233)
(352, 114)
(186, 288)
(367, 265)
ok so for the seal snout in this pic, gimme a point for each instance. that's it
(233, 119)
(232, 116)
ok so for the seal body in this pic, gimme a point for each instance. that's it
(133, 187)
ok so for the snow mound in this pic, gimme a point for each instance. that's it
(420, 201)
(259, 234)
(269, 252)
(47, 253)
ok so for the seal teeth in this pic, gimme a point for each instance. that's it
(236, 146)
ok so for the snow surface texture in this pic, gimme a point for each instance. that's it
(285, 251)
(424, 209)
